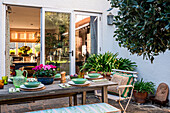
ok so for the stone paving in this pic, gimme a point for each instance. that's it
(63, 102)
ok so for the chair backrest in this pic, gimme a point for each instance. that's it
(162, 92)
(122, 77)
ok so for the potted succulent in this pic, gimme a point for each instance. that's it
(45, 73)
(142, 89)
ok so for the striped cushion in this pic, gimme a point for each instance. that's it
(121, 79)
(90, 108)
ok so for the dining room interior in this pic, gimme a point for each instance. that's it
(24, 43)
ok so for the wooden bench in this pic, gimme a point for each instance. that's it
(89, 108)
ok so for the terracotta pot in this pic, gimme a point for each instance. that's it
(139, 96)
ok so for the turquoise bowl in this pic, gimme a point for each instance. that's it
(79, 80)
(32, 84)
(58, 75)
(94, 75)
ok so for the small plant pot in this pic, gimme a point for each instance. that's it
(46, 80)
(139, 96)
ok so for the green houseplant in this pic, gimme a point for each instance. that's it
(100, 63)
(106, 62)
(45, 73)
(142, 89)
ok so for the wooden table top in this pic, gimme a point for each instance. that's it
(51, 89)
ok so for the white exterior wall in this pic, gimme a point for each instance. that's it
(157, 72)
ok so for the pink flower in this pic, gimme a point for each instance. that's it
(41, 65)
(53, 66)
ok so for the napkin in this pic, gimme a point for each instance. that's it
(13, 90)
(66, 85)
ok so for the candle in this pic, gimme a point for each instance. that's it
(1, 84)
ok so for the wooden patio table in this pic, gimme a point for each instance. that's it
(53, 91)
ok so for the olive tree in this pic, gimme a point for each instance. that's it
(143, 26)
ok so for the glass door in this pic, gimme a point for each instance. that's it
(56, 36)
(86, 37)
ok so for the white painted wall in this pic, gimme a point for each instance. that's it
(157, 72)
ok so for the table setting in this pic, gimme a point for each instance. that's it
(45, 75)
(82, 81)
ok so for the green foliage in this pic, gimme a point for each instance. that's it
(125, 64)
(106, 62)
(141, 86)
(143, 27)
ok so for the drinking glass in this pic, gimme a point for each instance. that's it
(5, 79)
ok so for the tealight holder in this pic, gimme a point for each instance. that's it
(1, 84)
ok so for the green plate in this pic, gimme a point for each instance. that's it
(32, 84)
(93, 75)
(58, 75)
(79, 80)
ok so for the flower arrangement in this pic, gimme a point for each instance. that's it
(24, 49)
(44, 70)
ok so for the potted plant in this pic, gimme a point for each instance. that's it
(45, 73)
(142, 89)
(104, 63)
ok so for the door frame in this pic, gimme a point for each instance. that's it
(99, 33)
(71, 33)
(99, 22)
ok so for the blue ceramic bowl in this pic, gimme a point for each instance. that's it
(79, 80)
(46, 80)
(94, 75)
(32, 84)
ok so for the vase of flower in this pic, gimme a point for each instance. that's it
(25, 49)
(45, 73)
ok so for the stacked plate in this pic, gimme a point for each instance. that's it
(57, 76)
(32, 86)
(79, 82)
(94, 76)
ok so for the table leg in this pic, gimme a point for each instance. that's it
(75, 99)
(83, 98)
(70, 101)
(104, 94)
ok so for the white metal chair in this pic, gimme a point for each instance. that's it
(119, 98)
